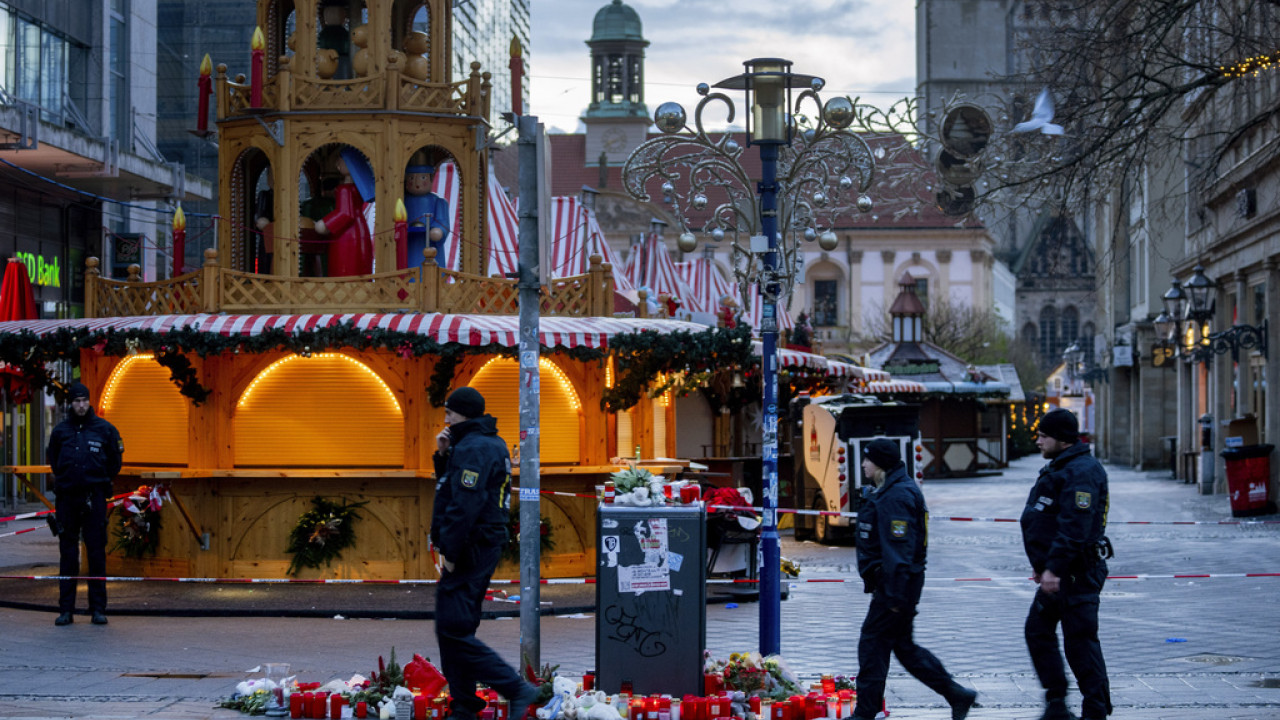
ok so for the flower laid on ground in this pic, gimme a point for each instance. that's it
(755, 675)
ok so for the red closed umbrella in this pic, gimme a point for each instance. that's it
(17, 302)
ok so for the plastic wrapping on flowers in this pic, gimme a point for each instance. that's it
(755, 675)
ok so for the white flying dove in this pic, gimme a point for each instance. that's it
(1041, 117)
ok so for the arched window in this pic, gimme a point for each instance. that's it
(1070, 326)
(1029, 333)
(1049, 334)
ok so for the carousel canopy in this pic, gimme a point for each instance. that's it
(705, 286)
(471, 330)
(576, 237)
(649, 266)
(500, 215)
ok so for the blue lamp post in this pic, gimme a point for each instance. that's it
(825, 165)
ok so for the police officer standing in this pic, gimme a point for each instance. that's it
(469, 528)
(1063, 529)
(892, 540)
(85, 452)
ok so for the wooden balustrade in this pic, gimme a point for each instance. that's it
(214, 289)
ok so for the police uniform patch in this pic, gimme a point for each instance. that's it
(470, 478)
(898, 528)
(1083, 500)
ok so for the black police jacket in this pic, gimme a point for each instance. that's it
(84, 451)
(1066, 513)
(892, 537)
(473, 485)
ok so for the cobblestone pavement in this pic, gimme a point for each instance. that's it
(1175, 648)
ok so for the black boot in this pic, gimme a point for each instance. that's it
(64, 619)
(1057, 710)
(962, 703)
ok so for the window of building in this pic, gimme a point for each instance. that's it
(1048, 334)
(1069, 326)
(922, 290)
(118, 115)
(826, 306)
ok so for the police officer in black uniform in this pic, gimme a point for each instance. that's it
(1063, 528)
(85, 452)
(892, 540)
(468, 528)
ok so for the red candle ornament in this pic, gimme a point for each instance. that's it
(516, 65)
(179, 240)
(205, 85)
(401, 217)
(258, 47)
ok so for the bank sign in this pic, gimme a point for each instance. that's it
(41, 270)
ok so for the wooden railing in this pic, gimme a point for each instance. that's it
(214, 289)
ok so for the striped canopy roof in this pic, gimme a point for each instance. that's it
(500, 216)
(475, 330)
(576, 236)
(753, 316)
(704, 285)
(650, 266)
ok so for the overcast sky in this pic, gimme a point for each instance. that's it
(860, 47)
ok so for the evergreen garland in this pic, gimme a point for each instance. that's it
(322, 533)
(681, 356)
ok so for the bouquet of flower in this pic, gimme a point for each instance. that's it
(138, 531)
(745, 672)
(322, 533)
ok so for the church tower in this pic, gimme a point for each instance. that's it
(617, 120)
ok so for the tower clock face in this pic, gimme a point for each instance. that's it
(614, 140)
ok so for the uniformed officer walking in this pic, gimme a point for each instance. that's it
(85, 452)
(469, 528)
(1063, 528)
(892, 542)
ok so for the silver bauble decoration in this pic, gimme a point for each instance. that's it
(838, 112)
(828, 241)
(817, 84)
(687, 242)
(731, 147)
(699, 202)
(820, 199)
(810, 234)
(865, 204)
(668, 188)
(669, 117)
(717, 234)
(703, 88)
(846, 182)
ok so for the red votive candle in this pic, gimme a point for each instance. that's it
(362, 709)
(782, 710)
(588, 681)
(295, 706)
(755, 704)
(420, 707)
(335, 705)
(318, 702)
(716, 707)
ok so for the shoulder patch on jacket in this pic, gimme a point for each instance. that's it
(1083, 500)
(898, 528)
(470, 478)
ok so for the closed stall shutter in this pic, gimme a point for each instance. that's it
(148, 410)
(327, 410)
(559, 412)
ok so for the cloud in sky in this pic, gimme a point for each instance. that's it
(860, 47)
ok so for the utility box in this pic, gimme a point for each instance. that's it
(651, 599)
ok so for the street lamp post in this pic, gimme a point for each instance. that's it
(822, 163)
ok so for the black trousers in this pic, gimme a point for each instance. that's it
(83, 514)
(465, 660)
(883, 632)
(1075, 607)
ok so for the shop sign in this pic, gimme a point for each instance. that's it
(42, 271)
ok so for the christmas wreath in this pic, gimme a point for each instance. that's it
(322, 533)
(138, 530)
(511, 551)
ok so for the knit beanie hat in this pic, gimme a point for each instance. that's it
(883, 452)
(1060, 424)
(466, 401)
(77, 390)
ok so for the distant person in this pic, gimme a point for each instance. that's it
(892, 539)
(85, 453)
(469, 529)
(1063, 528)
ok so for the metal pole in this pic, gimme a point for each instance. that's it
(530, 393)
(770, 557)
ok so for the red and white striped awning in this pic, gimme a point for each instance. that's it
(500, 215)
(474, 330)
(576, 236)
(844, 369)
(705, 286)
(650, 267)
(884, 387)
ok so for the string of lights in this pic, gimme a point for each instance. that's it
(1250, 66)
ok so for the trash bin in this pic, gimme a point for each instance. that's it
(1248, 474)
(651, 599)
(1170, 443)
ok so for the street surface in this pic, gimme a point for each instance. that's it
(1175, 648)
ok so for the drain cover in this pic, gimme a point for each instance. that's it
(1214, 659)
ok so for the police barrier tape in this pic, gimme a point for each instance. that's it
(19, 532)
(592, 581)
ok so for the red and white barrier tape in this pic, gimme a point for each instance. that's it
(592, 581)
(19, 532)
(25, 516)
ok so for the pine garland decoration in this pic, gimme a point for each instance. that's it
(322, 533)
